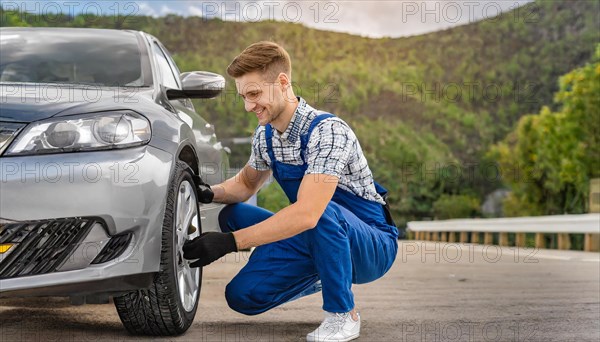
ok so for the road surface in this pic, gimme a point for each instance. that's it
(434, 292)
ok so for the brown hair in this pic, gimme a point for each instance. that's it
(268, 58)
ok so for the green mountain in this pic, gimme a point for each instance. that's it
(425, 108)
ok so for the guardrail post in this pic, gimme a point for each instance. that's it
(591, 243)
(474, 237)
(464, 237)
(444, 236)
(520, 239)
(563, 241)
(488, 238)
(434, 236)
(540, 240)
(451, 237)
(503, 240)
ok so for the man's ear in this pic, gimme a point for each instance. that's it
(284, 80)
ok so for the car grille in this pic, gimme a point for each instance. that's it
(113, 248)
(41, 246)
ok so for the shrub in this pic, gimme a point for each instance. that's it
(456, 206)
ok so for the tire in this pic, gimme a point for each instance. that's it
(168, 306)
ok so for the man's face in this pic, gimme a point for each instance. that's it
(263, 97)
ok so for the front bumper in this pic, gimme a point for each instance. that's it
(123, 190)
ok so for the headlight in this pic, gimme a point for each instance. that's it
(99, 131)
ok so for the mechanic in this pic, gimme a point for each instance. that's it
(337, 230)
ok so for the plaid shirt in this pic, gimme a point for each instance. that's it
(332, 149)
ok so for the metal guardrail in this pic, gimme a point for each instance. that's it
(469, 230)
(586, 223)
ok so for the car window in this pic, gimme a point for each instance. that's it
(98, 57)
(168, 77)
(174, 67)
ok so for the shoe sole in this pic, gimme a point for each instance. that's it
(349, 338)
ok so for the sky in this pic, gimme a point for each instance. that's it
(370, 18)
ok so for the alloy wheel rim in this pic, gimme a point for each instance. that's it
(188, 278)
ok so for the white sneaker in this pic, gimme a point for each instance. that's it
(337, 327)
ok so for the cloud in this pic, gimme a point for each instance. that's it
(195, 11)
(373, 18)
(398, 18)
(164, 10)
(145, 9)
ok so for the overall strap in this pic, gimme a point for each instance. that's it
(269, 141)
(313, 124)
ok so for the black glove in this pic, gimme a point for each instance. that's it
(205, 193)
(209, 247)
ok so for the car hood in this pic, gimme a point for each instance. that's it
(33, 102)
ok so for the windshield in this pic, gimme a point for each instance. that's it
(97, 57)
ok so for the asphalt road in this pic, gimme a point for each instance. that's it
(434, 292)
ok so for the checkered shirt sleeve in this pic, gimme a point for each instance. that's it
(330, 147)
(257, 160)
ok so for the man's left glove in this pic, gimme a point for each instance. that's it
(205, 193)
(209, 247)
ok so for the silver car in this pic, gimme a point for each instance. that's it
(102, 157)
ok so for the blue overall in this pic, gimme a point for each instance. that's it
(351, 243)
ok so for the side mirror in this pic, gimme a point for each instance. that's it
(198, 85)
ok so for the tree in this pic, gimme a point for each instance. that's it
(556, 153)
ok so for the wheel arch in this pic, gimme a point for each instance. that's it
(188, 155)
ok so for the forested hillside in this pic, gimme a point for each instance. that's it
(426, 109)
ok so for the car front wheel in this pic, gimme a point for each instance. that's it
(168, 307)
